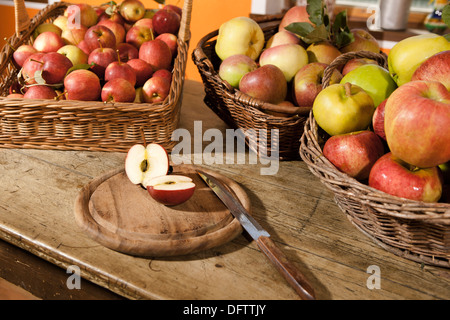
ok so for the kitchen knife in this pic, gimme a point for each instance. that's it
(292, 275)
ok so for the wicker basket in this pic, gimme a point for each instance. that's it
(241, 111)
(414, 230)
(84, 125)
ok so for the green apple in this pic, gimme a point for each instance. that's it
(240, 35)
(408, 54)
(343, 108)
(74, 54)
(46, 27)
(288, 57)
(375, 80)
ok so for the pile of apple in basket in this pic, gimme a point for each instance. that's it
(389, 128)
(112, 53)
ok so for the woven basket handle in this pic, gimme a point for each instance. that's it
(184, 33)
(21, 15)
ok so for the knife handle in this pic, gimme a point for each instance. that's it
(292, 275)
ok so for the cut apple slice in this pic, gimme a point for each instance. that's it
(148, 162)
(170, 190)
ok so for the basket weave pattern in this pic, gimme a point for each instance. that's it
(86, 125)
(241, 111)
(415, 230)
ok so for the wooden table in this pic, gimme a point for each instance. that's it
(41, 238)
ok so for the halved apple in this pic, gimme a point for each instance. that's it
(146, 162)
(170, 190)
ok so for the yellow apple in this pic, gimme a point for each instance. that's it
(240, 35)
(408, 54)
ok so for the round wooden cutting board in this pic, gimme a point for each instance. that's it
(124, 217)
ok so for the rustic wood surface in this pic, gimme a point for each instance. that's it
(39, 188)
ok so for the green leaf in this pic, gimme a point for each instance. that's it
(109, 3)
(315, 9)
(320, 33)
(342, 35)
(446, 14)
(81, 66)
(300, 28)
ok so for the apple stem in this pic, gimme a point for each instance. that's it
(37, 61)
(152, 34)
(100, 43)
(143, 137)
(348, 89)
(118, 55)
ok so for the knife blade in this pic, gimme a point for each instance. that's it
(292, 274)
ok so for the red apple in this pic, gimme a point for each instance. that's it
(355, 63)
(308, 82)
(354, 153)
(14, 95)
(127, 51)
(166, 21)
(378, 120)
(144, 22)
(118, 90)
(233, 68)
(22, 53)
(142, 69)
(40, 92)
(116, 28)
(156, 53)
(170, 190)
(100, 36)
(174, 8)
(282, 37)
(82, 85)
(364, 41)
(294, 14)
(55, 67)
(32, 64)
(398, 178)
(156, 89)
(132, 10)
(417, 123)
(137, 35)
(101, 58)
(435, 68)
(171, 40)
(48, 42)
(143, 163)
(323, 52)
(164, 73)
(120, 69)
(84, 46)
(114, 17)
(267, 83)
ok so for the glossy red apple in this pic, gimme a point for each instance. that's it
(417, 123)
(267, 83)
(378, 120)
(55, 67)
(174, 8)
(398, 178)
(40, 92)
(435, 68)
(142, 69)
(48, 42)
(308, 83)
(156, 53)
(74, 35)
(146, 162)
(114, 17)
(127, 51)
(22, 53)
(156, 89)
(164, 73)
(166, 21)
(99, 36)
(144, 22)
(118, 90)
(32, 64)
(82, 85)
(170, 190)
(137, 35)
(354, 153)
(171, 40)
(120, 69)
(117, 28)
(101, 58)
(84, 47)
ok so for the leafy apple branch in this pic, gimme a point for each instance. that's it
(322, 29)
